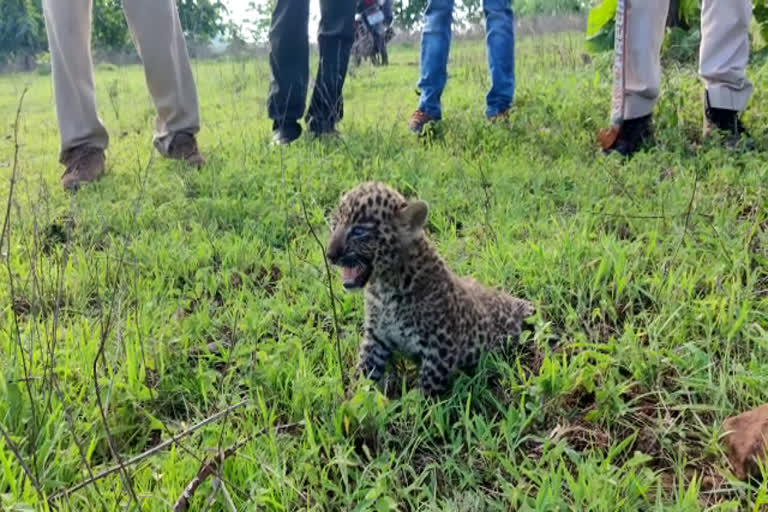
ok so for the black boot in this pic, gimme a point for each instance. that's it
(633, 135)
(729, 124)
(283, 133)
(321, 128)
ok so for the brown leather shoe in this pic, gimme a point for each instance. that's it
(183, 147)
(84, 164)
(418, 121)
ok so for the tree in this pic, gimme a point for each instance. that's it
(259, 25)
(408, 13)
(202, 20)
(109, 30)
(22, 32)
(22, 28)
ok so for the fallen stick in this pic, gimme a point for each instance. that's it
(210, 467)
(144, 455)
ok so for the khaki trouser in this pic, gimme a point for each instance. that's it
(157, 33)
(722, 56)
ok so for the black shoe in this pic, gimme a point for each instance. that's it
(729, 124)
(285, 133)
(634, 134)
(318, 128)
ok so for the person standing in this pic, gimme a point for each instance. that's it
(157, 34)
(289, 63)
(435, 46)
(723, 56)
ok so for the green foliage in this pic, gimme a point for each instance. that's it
(599, 16)
(682, 45)
(548, 7)
(690, 13)
(760, 11)
(601, 26)
(408, 13)
(109, 31)
(202, 20)
(22, 31)
(258, 25)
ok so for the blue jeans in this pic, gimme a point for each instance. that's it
(436, 43)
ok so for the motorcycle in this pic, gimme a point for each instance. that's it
(372, 33)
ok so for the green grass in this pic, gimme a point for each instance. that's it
(651, 279)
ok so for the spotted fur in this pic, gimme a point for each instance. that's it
(414, 304)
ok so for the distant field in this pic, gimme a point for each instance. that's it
(160, 296)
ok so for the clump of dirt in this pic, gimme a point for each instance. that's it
(266, 278)
(57, 233)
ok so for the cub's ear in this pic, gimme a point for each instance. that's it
(414, 215)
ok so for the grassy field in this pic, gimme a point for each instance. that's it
(161, 296)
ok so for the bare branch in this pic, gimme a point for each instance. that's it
(106, 326)
(688, 212)
(227, 497)
(121, 466)
(148, 453)
(213, 465)
(6, 232)
(14, 170)
(336, 329)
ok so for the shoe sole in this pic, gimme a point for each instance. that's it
(75, 185)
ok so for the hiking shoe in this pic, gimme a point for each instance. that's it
(318, 128)
(728, 123)
(633, 135)
(285, 133)
(418, 121)
(84, 164)
(501, 117)
(183, 146)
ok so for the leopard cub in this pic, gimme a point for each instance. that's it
(414, 304)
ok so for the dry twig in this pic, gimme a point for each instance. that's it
(148, 453)
(336, 329)
(17, 334)
(213, 465)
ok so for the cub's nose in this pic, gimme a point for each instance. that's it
(335, 250)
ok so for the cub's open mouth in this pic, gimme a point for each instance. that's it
(354, 273)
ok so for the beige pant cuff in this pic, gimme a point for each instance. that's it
(637, 106)
(724, 97)
(162, 141)
(99, 142)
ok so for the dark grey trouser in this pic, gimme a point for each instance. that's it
(289, 61)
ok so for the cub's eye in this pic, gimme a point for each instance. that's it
(358, 232)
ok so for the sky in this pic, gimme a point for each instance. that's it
(238, 10)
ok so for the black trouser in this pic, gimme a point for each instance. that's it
(289, 61)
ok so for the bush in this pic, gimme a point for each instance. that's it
(533, 7)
